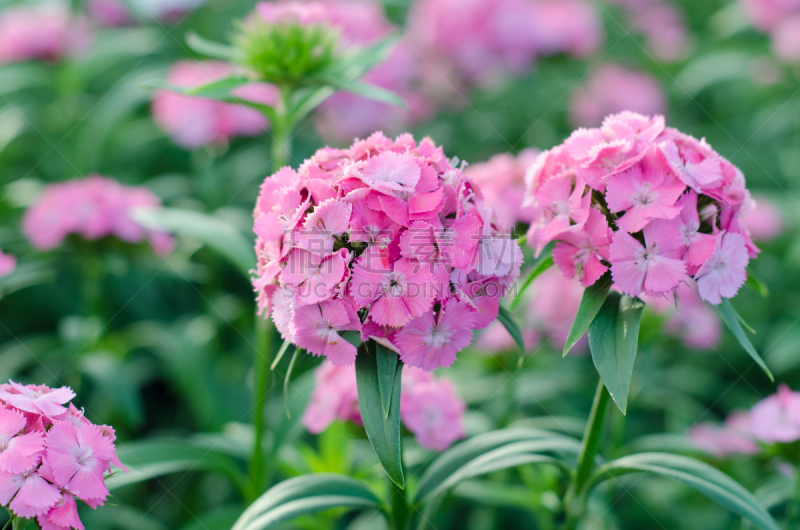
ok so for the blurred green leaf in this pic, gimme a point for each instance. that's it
(210, 48)
(544, 263)
(365, 90)
(705, 479)
(732, 320)
(287, 379)
(509, 322)
(592, 300)
(613, 340)
(383, 431)
(303, 495)
(757, 284)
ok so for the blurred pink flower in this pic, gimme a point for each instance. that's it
(501, 180)
(429, 406)
(566, 26)
(7, 264)
(612, 88)
(194, 121)
(92, 207)
(108, 13)
(46, 32)
(780, 19)
(731, 438)
(764, 221)
(662, 25)
(693, 321)
(777, 418)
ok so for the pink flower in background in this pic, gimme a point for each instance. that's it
(7, 264)
(46, 32)
(411, 232)
(502, 183)
(780, 19)
(764, 221)
(612, 88)
(109, 13)
(194, 121)
(777, 418)
(690, 319)
(481, 40)
(669, 204)
(661, 23)
(731, 438)
(51, 455)
(429, 407)
(93, 207)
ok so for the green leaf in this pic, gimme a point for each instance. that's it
(307, 100)
(279, 355)
(732, 320)
(705, 479)
(210, 48)
(591, 302)
(365, 90)
(544, 263)
(508, 321)
(212, 231)
(383, 432)
(288, 379)
(757, 284)
(613, 338)
(303, 495)
(388, 362)
(493, 451)
(219, 88)
(151, 459)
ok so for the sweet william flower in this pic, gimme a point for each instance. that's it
(581, 250)
(317, 328)
(7, 264)
(725, 271)
(29, 493)
(432, 341)
(37, 399)
(78, 456)
(63, 515)
(18, 452)
(777, 418)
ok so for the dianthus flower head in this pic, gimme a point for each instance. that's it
(661, 207)
(382, 239)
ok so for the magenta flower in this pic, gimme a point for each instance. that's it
(764, 221)
(432, 341)
(63, 515)
(46, 32)
(314, 277)
(18, 452)
(777, 418)
(317, 327)
(644, 192)
(698, 246)
(725, 271)
(391, 173)
(29, 493)
(652, 268)
(334, 398)
(581, 250)
(77, 456)
(723, 440)
(7, 264)
(696, 172)
(37, 399)
(562, 202)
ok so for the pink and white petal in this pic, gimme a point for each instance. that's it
(593, 269)
(664, 274)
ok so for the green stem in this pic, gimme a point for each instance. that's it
(282, 131)
(399, 506)
(793, 510)
(575, 499)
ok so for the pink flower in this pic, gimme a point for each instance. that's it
(696, 171)
(317, 330)
(562, 202)
(777, 417)
(194, 121)
(63, 515)
(693, 321)
(432, 341)
(610, 89)
(391, 172)
(654, 267)
(699, 246)
(723, 440)
(431, 409)
(553, 305)
(725, 271)
(108, 13)
(32, 495)
(78, 456)
(644, 192)
(764, 221)
(18, 452)
(7, 264)
(37, 399)
(314, 277)
(582, 249)
(334, 398)
(47, 32)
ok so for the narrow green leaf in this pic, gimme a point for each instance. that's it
(287, 379)
(208, 229)
(387, 368)
(493, 451)
(302, 495)
(365, 90)
(279, 355)
(544, 263)
(732, 320)
(305, 102)
(219, 88)
(210, 48)
(510, 323)
(757, 284)
(705, 479)
(613, 338)
(383, 432)
(591, 302)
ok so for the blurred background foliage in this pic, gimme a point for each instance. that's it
(163, 346)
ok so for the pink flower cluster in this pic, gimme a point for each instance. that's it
(387, 239)
(429, 406)
(612, 88)
(92, 207)
(51, 456)
(774, 419)
(195, 121)
(781, 20)
(7, 264)
(502, 182)
(646, 201)
(662, 25)
(47, 32)
(483, 39)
